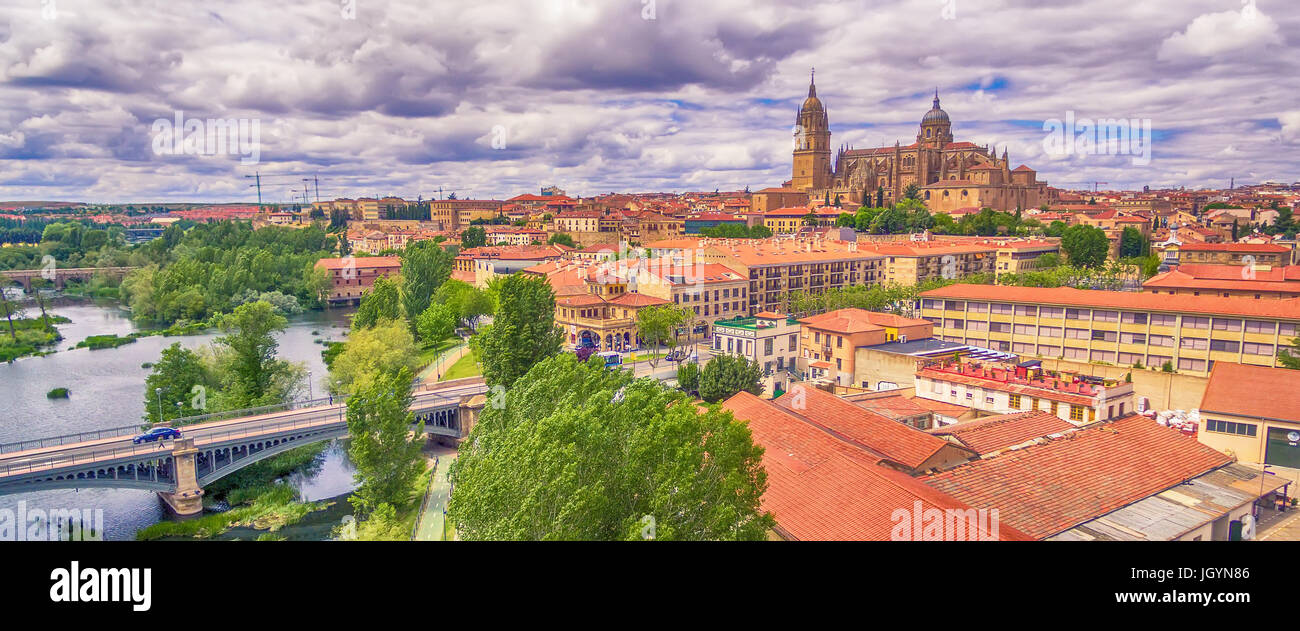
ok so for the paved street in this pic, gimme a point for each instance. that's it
(430, 527)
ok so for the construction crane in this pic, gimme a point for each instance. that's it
(257, 178)
(441, 196)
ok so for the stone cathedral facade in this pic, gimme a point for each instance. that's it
(952, 176)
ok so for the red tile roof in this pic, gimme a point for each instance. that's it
(360, 262)
(890, 439)
(822, 489)
(1050, 487)
(852, 320)
(1255, 391)
(994, 433)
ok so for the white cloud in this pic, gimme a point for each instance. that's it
(1219, 34)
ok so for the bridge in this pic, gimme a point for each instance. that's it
(179, 469)
(60, 276)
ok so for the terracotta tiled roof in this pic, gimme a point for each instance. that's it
(1288, 309)
(890, 439)
(820, 488)
(638, 300)
(1269, 248)
(360, 262)
(1050, 487)
(994, 433)
(1227, 277)
(852, 320)
(1256, 391)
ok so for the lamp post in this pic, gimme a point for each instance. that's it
(158, 395)
(310, 393)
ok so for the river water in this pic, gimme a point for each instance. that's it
(107, 391)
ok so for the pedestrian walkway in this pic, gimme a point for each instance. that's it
(432, 520)
(437, 368)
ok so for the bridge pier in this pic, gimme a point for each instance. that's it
(187, 500)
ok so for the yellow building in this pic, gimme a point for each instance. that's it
(778, 267)
(1253, 413)
(1118, 328)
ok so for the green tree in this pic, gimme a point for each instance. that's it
(384, 451)
(725, 375)
(182, 379)
(912, 191)
(467, 302)
(1286, 359)
(1132, 244)
(384, 302)
(656, 325)
(688, 377)
(523, 330)
(384, 348)
(436, 324)
(578, 452)
(1086, 246)
(1055, 229)
(473, 237)
(425, 267)
(250, 337)
(561, 239)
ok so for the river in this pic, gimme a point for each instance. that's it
(107, 390)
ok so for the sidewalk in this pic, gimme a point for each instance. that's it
(431, 523)
(437, 368)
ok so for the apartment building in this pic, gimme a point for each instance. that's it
(774, 198)
(770, 339)
(828, 342)
(1253, 412)
(1227, 281)
(1123, 328)
(1230, 254)
(1000, 388)
(351, 278)
(916, 262)
(777, 267)
(571, 221)
(456, 214)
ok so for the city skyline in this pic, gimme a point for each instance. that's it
(632, 96)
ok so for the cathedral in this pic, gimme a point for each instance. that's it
(952, 176)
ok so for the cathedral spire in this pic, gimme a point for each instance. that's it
(812, 83)
(936, 98)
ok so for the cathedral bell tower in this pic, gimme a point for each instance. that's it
(812, 144)
(936, 129)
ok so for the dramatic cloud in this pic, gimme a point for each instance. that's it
(497, 97)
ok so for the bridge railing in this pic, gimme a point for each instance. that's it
(258, 411)
(73, 459)
(80, 437)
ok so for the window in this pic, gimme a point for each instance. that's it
(1260, 326)
(1000, 308)
(1051, 312)
(1075, 353)
(977, 307)
(1133, 338)
(955, 305)
(954, 324)
(1049, 331)
(929, 303)
(1026, 329)
(794, 341)
(767, 346)
(977, 325)
(1103, 356)
(1228, 427)
(1190, 322)
(1077, 334)
(1251, 348)
(1134, 318)
(1026, 310)
(1191, 364)
(1013, 401)
(1105, 316)
(1046, 350)
(1104, 336)
(1222, 324)
(1226, 346)
(1076, 413)
(1163, 320)
(1162, 340)
(1000, 327)
(1194, 343)
(1076, 314)
(839, 341)
(1128, 359)
(817, 337)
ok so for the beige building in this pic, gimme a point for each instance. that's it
(828, 342)
(1253, 413)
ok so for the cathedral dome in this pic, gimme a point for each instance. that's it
(812, 103)
(935, 115)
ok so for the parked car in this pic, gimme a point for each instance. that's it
(156, 434)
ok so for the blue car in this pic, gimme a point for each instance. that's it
(156, 434)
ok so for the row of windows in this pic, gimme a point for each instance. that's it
(1100, 315)
(1228, 427)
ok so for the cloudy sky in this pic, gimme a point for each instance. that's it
(493, 98)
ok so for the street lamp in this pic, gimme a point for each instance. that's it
(158, 394)
(310, 393)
